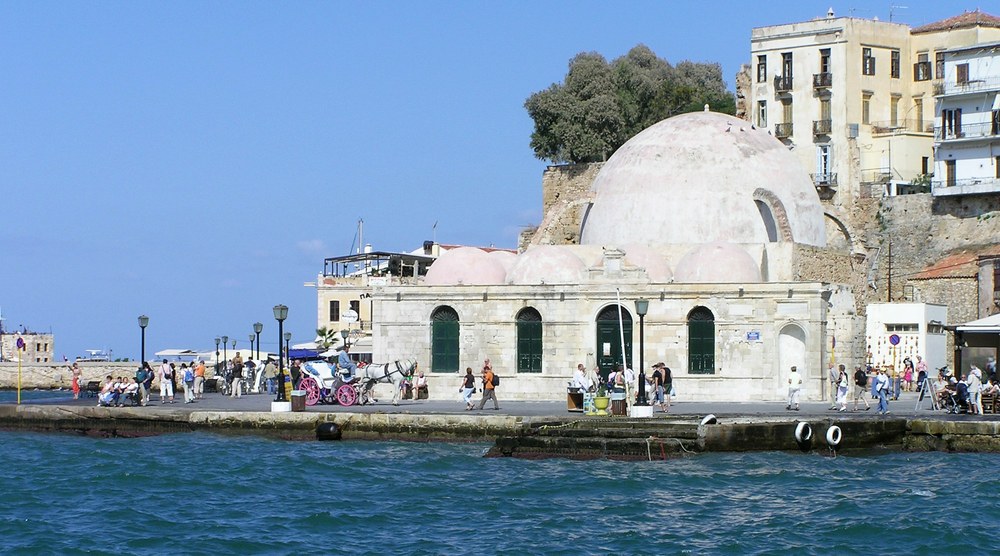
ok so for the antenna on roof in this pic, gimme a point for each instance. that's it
(434, 232)
(891, 8)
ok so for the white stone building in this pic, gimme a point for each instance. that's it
(967, 137)
(711, 220)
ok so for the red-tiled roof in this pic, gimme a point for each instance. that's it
(963, 264)
(975, 18)
(487, 249)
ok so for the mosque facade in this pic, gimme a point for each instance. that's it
(710, 220)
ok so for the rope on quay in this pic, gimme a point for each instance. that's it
(663, 454)
(547, 427)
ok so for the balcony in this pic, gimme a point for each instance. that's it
(922, 71)
(783, 131)
(971, 86)
(822, 80)
(875, 176)
(900, 127)
(978, 130)
(782, 84)
(822, 127)
(824, 180)
(965, 186)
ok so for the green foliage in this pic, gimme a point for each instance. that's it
(326, 338)
(599, 105)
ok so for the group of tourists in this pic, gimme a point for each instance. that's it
(490, 381)
(659, 384)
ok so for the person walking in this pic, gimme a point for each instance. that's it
(468, 388)
(975, 382)
(882, 387)
(199, 380)
(861, 387)
(140, 380)
(149, 380)
(271, 376)
(489, 388)
(188, 377)
(794, 386)
(843, 385)
(668, 385)
(237, 383)
(77, 373)
(166, 383)
(834, 381)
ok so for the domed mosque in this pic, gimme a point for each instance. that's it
(710, 221)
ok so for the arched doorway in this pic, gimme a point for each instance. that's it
(609, 342)
(791, 351)
(701, 341)
(444, 340)
(529, 341)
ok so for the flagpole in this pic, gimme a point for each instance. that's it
(621, 333)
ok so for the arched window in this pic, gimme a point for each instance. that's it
(444, 340)
(609, 339)
(529, 341)
(701, 341)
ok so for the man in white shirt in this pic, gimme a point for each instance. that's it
(580, 379)
(794, 385)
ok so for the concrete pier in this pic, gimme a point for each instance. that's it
(530, 429)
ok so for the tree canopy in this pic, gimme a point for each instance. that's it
(600, 105)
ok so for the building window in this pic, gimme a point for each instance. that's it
(824, 60)
(786, 69)
(786, 110)
(996, 165)
(894, 64)
(996, 277)
(866, 108)
(701, 341)
(867, 61)
(824, 163)
(762, 113)
(939, 65)
(995, 126)
(356, 306)
(918, 110)
(334, 311)
(922, 69)
(824, 109)
(762, 69)
(894, 112)
(609, 338)
(951, 123)
(529, 341)
(907, 327)
(962, 74)
(444, 340)
(925, 162)
(949, 173)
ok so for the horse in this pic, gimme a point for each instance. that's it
(394, 373)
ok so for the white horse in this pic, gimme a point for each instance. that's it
(394, 373)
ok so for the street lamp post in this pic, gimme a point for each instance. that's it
(288, 337)
(280, 314)
(345, 333)
(641, 307)
(251, 346)
(143, 323)
(217, 340)
(225, 352)
(234, 347)
(257, 328)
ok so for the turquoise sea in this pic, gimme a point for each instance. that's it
(204, 494)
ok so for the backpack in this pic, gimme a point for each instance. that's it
(140, 375)
(860, 378)
(496, 380)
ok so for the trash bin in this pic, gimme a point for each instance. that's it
(298, 400)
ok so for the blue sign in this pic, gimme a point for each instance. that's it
(20, 343)
(894, 339)
(753, 336)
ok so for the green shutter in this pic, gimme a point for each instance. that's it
(444, 340)
(529, 347)
(701, 342)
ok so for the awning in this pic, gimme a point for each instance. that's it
(988, 325)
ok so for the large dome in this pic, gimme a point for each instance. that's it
(547, 264)
(717, 263)
(465, 266)
(699, 178)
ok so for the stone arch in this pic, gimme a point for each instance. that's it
(774, 216)
(791, 351)
(837, 226)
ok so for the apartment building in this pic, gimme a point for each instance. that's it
(854, 98)
(967, 137)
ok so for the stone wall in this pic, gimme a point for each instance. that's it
(564, 192)
(59, 375)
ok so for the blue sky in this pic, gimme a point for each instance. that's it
(196, 161)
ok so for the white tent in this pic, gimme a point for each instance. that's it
(988, 325)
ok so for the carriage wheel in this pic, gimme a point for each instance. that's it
(346, 395)
(312, 390)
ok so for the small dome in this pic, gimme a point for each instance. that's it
(505, 258)
(654, 263)
(547, 264)
(717, 263)
(467, 266)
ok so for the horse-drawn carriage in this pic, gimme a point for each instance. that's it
(324, 383)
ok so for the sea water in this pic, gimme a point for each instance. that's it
(199, 493)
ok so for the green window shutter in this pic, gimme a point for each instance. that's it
(529, 341)
(701, 341)
(444, 340)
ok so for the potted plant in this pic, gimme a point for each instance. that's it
(601, 400)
